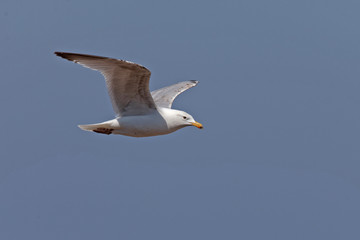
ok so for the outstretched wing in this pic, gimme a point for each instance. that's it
(127, 82)
(164, 97)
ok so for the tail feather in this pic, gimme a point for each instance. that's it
(89, 127)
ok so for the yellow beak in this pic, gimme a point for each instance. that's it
(198, 125)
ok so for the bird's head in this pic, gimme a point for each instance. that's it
(186, 119)
(178, 119)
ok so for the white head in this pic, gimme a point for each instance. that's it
(178, 119)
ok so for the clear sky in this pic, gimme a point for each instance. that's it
(279, 154)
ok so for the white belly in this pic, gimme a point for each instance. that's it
(141, 126)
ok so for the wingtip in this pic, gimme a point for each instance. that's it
(65, 55)
(60, 54)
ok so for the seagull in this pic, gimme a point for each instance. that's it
(139, 112)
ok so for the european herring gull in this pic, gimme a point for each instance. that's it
(139, 112)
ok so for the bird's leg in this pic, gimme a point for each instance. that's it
(104, 130)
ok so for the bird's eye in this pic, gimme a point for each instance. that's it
(184, 117)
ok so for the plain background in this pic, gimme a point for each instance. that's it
(279, 154)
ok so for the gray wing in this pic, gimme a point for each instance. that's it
(127, 82)
(164, 97)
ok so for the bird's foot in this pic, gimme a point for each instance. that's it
(104, 130)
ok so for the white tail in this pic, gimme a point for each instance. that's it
(89, 127)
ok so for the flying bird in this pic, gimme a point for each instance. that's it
(139, 112)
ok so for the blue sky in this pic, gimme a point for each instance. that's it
(278, 157)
